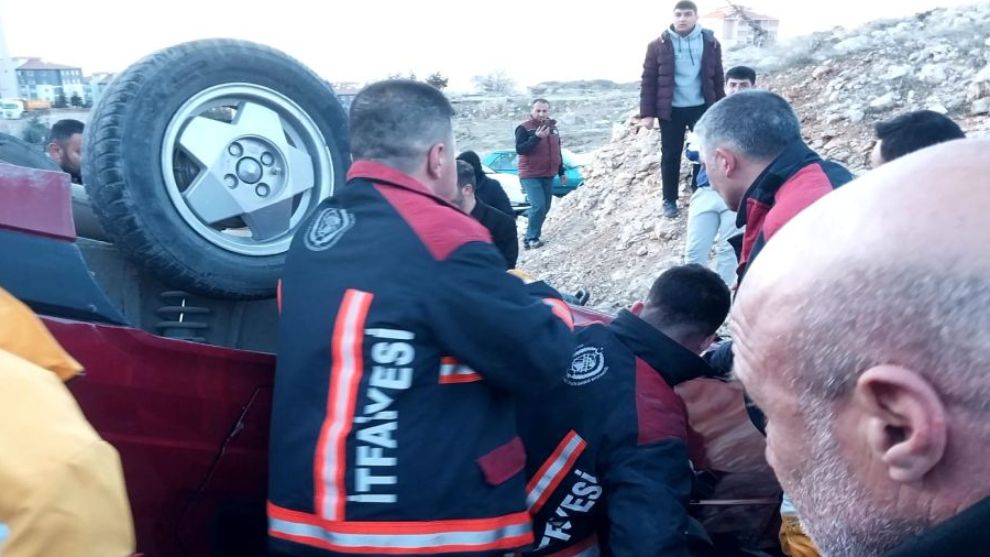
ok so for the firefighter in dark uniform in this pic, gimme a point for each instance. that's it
(607, 451)
(403, 346)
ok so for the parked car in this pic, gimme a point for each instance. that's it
(12, 109)
(513, 188)
(506, 161)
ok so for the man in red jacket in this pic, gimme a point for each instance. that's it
(682, 77)
(540, 159)
(757, 161)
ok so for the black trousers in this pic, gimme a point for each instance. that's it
(672, 134)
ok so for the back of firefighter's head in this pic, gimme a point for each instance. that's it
(408, 126)
(688, 304)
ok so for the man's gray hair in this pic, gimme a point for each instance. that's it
(395, 122)
(933, 321)
(758, 124)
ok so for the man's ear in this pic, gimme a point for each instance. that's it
(436, 160)
(637, 307)
(727, 161)
(55, 152)
(904, 422)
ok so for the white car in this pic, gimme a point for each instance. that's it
(513, 188)
(12, 109)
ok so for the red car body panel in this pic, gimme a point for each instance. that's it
(190, 422)
(36, 201)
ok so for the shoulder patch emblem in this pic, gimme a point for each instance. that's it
(327, 228)
(588, 364)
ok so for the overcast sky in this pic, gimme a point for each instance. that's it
(368, 39)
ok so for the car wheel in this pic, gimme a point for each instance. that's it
(202, 159)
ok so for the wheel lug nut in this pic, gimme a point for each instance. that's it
(267, 159)
(235, 149)
(230, 180)
(262, 190)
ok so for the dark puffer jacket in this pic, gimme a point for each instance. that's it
(656, 94)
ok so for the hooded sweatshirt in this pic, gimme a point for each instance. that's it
(687, 68)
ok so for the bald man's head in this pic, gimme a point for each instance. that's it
(863, 331)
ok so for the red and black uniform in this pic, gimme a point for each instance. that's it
(607, 449)
(794, 180)
(402, 347)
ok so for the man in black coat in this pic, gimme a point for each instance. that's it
(486, 189)
(499, 225)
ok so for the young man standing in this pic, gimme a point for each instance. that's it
(682, 77)
(739, 78)
(540, 159)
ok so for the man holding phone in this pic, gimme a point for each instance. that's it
(540, 159)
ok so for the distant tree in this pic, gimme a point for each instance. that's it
(34, 131)
(497, 82)
(410, 76)
(60, 101)
(437, 80)
(75, 100)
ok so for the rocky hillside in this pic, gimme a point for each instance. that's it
(608, 235)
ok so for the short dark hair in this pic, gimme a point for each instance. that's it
(741, 72)
(691, 298)
(686, 5)
(540, 101)
(64, 129)
(759, 124)
(396, 121)
(465, 174)
(914, 131)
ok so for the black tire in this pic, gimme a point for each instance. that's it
(18, 152)
(123, 169)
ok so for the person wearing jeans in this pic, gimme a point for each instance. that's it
(540, 159)
(708, 215)
(539, 192)
(682, 77)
